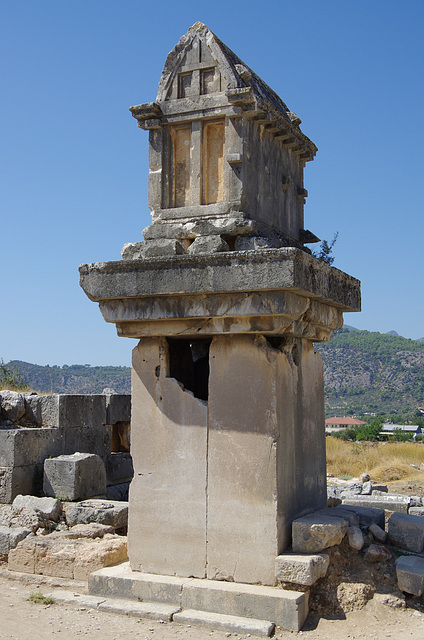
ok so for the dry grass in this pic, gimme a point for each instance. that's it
(384, 461)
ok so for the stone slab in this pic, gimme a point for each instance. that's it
(366, 515)
(287, 609)
(121, 582)
(219, 621)
(109, 512)
(298, 569)
(151, 610)
(82, 600)
(406, 532)
(400, 504)
(410, 574)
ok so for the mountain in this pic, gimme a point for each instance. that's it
(367, 372)
(76, 378)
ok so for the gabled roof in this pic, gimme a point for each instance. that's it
(344, 420)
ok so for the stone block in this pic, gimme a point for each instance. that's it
(12, 405)
(406, 532)
(304, 570)
(380, 487)
(74, 477)
(44, 508)
(366, 515)
(149, 610)
(34, 445)
(119, 467)
(333, 496)
(285, 608)
(219, 621)
(410, 574)
(107, 512)
(118, 408)
(208, 244)
(97, 440)
(400, 504)
(367, 488)
(10, 536)
(19, 480)
(121, 582)
(350, 516)
(118, 492)
(416, 511)
(315, 532)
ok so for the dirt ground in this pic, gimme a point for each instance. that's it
(21, 619)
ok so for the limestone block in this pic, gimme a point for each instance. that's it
(304, 570)
(314, 533)
(19, 480)
(355, 538)
(118, 408)
(74, 477)
(81, 410)
(350, 516)
(105, 512)
(34, 445)
(416, 511)
(118, 492)
(379, 487)
(208, 244)
(400, 504)
(12, 405)
(367, 488)
(119, 467)
(220, 621)
(92, 530)
(406, 532)
(410, 574)
(32, 512)
(378, 533)
(43, 410)
(95, 439)
(10, 536)
(64, 557)
(333, 496)
(366, 515)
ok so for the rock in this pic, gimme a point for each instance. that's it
(10, 536)
(365, 477)
(355, 538)
(13, 405)
(378, 533)
(416, 511)
(32, 512)
(315, 532)
(208, 244)
(304, 570)
(338, 512)
(353, 489)
(352, 596)
(380, 487)
(416, 501)
(333, 496)
(64, 557)
(366, 515)
(107, 512)
(367, 488)
(410, 574)
(377, 553)
(406, 532)
(74, 477)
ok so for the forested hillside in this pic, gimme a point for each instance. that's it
(370, 372)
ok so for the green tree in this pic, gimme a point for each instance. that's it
(11, 378)
(326, 249)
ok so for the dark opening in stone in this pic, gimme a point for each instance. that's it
(189, 364)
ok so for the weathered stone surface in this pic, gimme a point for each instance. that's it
(377, 553)
(74, 477)
(366, 515)
(379, 487)
(304, 570)
(410, 574)
(378, 533)
(12, 406)
(208, 244)
(351, 517)
(119, 467)
(315, 533)
(416, 511)
(406, 532)
(32, 512)
(10, 536)
(333, 496)
(353, 596)
(104, 512)
(367, 488)
(118, 492)
(377, 500)
(92, 530)
(61, 556)
(219, 621)
(355, 538)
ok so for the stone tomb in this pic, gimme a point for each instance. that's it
(227, 424)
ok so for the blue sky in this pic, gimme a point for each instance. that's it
(73, 164)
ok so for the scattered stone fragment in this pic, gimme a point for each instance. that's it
(304, 570)
(416, 501)
(333, 496)
(352, 596)
(406, 532)
(9, 538)
(32, 512)
(338, 512)
(315, 532)
(416, 511)
(380, 487)
(367, 488)
(355, 538)
(377, 553)
(410, 574)
(365, 477)
(391, 502)
(12, 404)
(378, 533)
(366, 515)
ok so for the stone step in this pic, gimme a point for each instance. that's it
(287, 609)
(219, 621)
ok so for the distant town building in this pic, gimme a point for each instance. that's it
(389, 429)
(337, 424)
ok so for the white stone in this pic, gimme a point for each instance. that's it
(298, 569)
(314, 533)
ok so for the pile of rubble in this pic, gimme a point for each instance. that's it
(63, 539)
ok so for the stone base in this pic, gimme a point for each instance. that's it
(199, 598)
